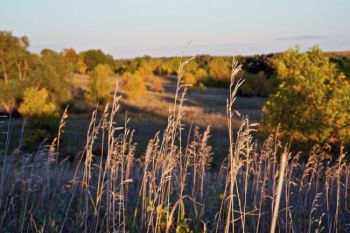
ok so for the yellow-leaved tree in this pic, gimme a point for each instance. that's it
(220, 71)
(35, 103)
(100, 85)
(41, 117)
(134, 86)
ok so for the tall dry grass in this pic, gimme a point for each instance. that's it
(171, 187)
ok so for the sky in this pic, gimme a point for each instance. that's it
(132, 28)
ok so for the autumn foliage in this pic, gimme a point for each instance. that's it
(312, 103)
(100, 86)
(134, 86)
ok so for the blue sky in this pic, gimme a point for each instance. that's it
(162, 28)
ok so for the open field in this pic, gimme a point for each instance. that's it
(174, 116)
(150, 115)
(171, 188)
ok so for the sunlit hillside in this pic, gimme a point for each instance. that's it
(174, 116)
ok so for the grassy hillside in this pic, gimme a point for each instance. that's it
(171, 188)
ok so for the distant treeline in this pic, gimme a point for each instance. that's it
(259, 71)
(53, 71)
(313, 84)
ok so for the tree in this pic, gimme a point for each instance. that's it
(77, 61)
(70, 55)
(155, 84)
(189, 79)
(312, 102)
(94, 57)
(220, 70)
(20, 69)
(10, 93)
(201, 75)
(35, 103)
(15, 61)
(53, 73)
(100, 87)
(41, 116)
(169, 66)
(14, 56)
(134, 86)
(80, 66)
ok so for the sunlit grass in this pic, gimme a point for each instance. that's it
(172, 187)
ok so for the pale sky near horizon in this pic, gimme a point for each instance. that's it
(163, 28)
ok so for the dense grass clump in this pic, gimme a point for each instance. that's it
(171, 188)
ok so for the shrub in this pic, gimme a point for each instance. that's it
(169, 66)
(40, 128)
(100, 87)
(93, 57)
(42, 121)
(202, 75)
(53, 73)
(312, 103)
(35, 103)
(80, 66)
(189, 79)
(220, 71)
(258, 85)
(134, 86)
(195, 76)
(155, 84)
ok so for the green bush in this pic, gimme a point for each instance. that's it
(94, 57)
(258, 85)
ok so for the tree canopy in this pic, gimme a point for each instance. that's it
(100, 87)
(14, 57)
(53, 73)
(94, 57)
(312, 102)
(134, 86)
(20, 69)
(36, 103)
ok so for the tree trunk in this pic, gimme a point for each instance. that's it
(22, 68)
(19, 69)
(4, 71)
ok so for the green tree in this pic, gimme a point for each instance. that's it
(15, 62)
(14, 56)
(312, 102)
(94, 57)
(76, 61)
(53, 73)
(100, 87)
(134, 86)
(10, 93)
